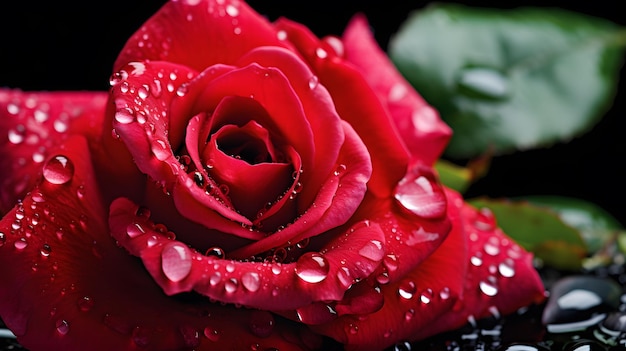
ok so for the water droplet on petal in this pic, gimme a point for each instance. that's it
(313, 82)
(420, 193)
(20, 244)
(143, 92)
(125, 115)
(231, 285)
(45, 250)
(215, 252)
(312, 267)
(427, 296)
(261, 323)
(321, 53)
(85, 303)
(211, 333)
(251, 281)
(407, 289)
(372, 250)
(62, 326)
(176, 261)
(58, 170)
(3, 239)
(506, 268)
(488, 288)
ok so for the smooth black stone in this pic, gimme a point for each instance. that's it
(576, 300)
(615, 321)
(522, 347)
(583, 345)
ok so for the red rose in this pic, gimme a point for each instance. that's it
(243, 185)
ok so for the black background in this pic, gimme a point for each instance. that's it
(56, 45)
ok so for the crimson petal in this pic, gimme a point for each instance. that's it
(500, 277)
(231, 26)
(316, 276)
(32, 124)
(369, 117)
(410, 304)
(424, 133)
(67, 286)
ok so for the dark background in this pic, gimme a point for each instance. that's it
(56, 45)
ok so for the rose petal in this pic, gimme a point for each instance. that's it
(314, 277)
(337, 199)
(411, 303)
(231, 26)
(500, 278)
(423, 132)
(67, 286)
(33, 123)
(319, 109)
(369, 117)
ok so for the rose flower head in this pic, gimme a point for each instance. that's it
(243, 185)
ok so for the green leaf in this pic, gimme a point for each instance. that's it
(539, 230)
(510, 79)
(595, 225)
(453, 176)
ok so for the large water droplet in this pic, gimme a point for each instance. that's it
(488, 288)
(125, 115)
(507, 268)
(176, 261)
(372, 250)
(261, 323)
(420, 193)
(484, 83)
(211, 333)
(63, 327)
(85, 303)
(312, 267)
(407, 289)
(251, 281)
(58, 170)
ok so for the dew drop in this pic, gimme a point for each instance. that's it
(232, 11)
(398, 92)
(125, 115)
(408, 315)
(281, 35)
(143, 92)
(312, 267)
(20, 244)
(427, 296)
(402, 346)
(353, 328)
(485, 220)
(251, 281)
(321, 53)
(407, 289)
(215, 279)
(231, 285)
(211, 333)
(85, 303)
(16, 136)
(58, 170)
(261, 323)
(3, 239)
(391, 263)
(444, 294)
(45, 250)
(420, 193)
(340, 169)
(134, 230)
(476, 261)
(176, 261)
(488, 288)
(63, 327)
(182, 90)
(491, 247)
(118, 77)
(483, 83)
(160, 149)
(215, 252)
(372, 250)
(506, 268)
(277, 269)
(314, 81)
